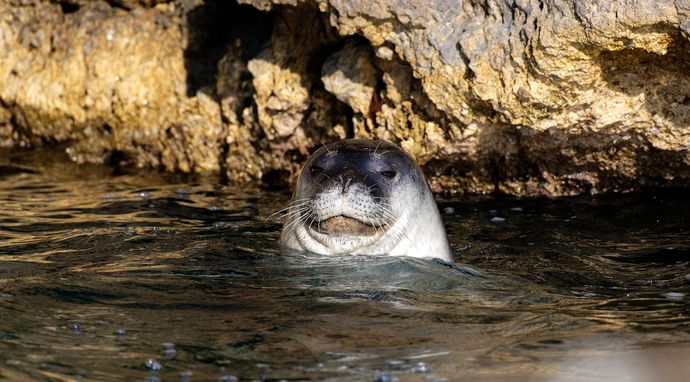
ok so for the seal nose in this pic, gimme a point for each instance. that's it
(345, 181)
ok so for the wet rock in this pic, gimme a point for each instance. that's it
(524, 97)
(535, 97)
(88, 77)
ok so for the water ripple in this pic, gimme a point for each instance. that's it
(101, 273)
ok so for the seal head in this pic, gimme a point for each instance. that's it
(364, 197)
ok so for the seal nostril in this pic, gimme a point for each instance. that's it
(315, 170)
(376, 193)
(390, 174)
(346, 184)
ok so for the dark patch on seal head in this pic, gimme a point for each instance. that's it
(376, 164)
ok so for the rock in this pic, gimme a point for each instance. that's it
(281, 98)
(88, 77)
(292, 115)
(527, 97)
(350, 75)
(536, 97)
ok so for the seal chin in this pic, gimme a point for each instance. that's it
(346, 226)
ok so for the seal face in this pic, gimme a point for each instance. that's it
(364, 197)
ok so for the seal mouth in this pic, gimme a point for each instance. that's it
(342, 225)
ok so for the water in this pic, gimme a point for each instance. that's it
(149, 277)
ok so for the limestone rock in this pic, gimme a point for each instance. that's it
(280, 96)
(350, 75)
(536, 97)
(528, 97)
(89, 77)
(292, 113)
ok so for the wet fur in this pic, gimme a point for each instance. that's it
(402, 210)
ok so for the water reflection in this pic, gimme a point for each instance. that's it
(143, 276)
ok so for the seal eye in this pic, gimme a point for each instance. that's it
(315, 170)
(390, 174)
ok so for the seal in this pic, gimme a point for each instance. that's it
(363, 197)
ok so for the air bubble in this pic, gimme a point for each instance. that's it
(76, 328)
(153, 365)
(127, 232)
(421, 367)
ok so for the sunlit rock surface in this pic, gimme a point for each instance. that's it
(524, 97)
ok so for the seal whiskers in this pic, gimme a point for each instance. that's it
(282, 213)
(363, 197)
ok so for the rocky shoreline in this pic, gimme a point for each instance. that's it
(521, 97)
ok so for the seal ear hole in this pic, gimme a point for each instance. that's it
(315, 170)
(390, 174)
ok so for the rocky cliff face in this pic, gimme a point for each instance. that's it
(524, 97)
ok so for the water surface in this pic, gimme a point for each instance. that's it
(150, 277)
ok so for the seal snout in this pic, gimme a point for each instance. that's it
(346, 207)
